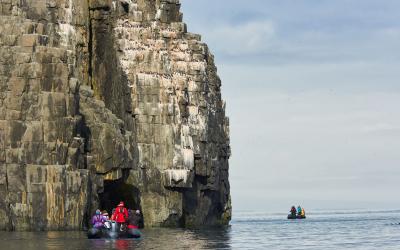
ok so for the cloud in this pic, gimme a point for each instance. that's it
(381, 128)
(245, 38)
(306, 46)
(335, 77)
(287, 32)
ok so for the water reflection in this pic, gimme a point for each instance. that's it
(152, 239)
(332, 231)
(121, 244)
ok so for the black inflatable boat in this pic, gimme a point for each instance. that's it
(294, 217)
(113, 233)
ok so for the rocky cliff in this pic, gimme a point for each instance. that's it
(108, 100)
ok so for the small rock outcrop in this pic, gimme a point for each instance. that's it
(108, 100)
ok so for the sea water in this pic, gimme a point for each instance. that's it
(249, 230)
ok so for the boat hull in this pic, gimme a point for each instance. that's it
(95, 233)
(296, 217)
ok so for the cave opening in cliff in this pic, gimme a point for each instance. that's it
(116, 191)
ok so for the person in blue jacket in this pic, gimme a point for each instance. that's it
(299, 210)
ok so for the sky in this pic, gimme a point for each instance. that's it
(313, 96)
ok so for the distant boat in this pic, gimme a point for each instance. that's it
(294, 217)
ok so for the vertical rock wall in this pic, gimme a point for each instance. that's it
(94, 92)
(42, 185)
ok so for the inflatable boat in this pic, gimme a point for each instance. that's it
(294, 217)
(113, 233)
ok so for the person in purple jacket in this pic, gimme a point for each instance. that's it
(98, 220)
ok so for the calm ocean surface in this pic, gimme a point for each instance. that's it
(249, 230)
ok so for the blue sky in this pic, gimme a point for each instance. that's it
(313, 95)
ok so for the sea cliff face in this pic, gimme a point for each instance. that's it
(108, 100)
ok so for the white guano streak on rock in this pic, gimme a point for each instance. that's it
(188, 158)
(67, 29)
(177, 175)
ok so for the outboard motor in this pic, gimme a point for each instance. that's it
(113, 232)
(113, 226)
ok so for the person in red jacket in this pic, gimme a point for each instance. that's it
(120, 216)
